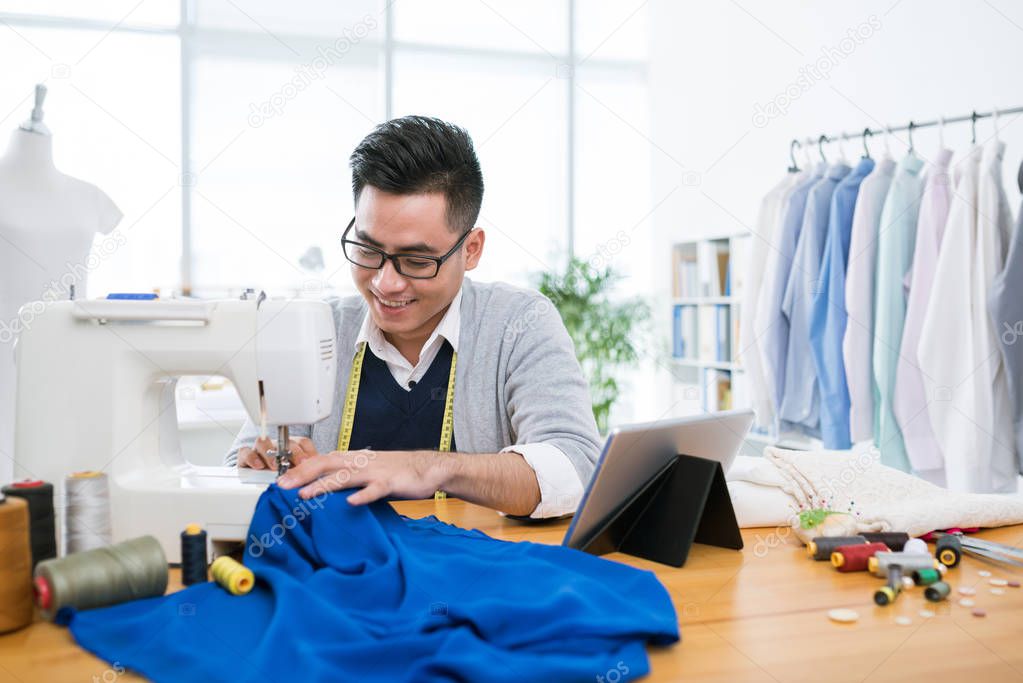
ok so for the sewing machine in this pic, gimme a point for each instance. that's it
(96, 382)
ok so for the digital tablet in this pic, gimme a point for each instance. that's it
(634, 454)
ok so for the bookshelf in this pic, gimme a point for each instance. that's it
(706, 283)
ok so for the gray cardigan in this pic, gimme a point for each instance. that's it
(518, 380)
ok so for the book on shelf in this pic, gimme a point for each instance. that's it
(685, 282)
(684, 341)
(723, 331)
(717, 390)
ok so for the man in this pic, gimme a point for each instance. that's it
(518, 434)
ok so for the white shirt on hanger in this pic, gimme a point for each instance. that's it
(959, 360)
(760, 254)
(858, 342)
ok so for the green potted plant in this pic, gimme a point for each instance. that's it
(604, 329)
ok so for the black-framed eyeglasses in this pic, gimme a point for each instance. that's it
(416, 266)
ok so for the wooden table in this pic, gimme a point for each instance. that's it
(755, 615)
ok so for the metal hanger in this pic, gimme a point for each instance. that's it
(794, 168)
(912, 150)
(820, 147)
(973, 126)
(866, 150)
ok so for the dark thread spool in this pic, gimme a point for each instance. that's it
(41, 521)
(895, 540)
(925, 577)
(193, 555)
(949, 551)
(820, 548)
(885, 595)
(854, 558)
(937, 592)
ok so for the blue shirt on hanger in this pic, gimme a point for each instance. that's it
(799, 405)
(776, 338)
(828, 318)
(360, 593)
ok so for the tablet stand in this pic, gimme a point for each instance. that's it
(686, 502)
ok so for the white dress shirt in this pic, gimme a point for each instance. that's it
(768, 221)
(560, 487)
(858, 342)
(959, 359)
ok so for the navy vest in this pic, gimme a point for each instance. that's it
(390, 418)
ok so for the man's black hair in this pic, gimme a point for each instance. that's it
(418, 154)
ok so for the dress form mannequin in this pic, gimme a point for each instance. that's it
(47, 224)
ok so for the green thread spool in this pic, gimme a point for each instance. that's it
(101, 577)
(925, 577)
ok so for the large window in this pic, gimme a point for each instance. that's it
(222, 128)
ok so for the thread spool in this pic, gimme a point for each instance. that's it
(937, 592)
(854, 558)
(87, 513)
(820, 548)
(234, 576)
(16, 565)
(878, 564)
(915, 545)
(193, 555)
(896, 540)
(949, 551)
(925, 577)
(42, 528)
(885, 595)
(100, 577)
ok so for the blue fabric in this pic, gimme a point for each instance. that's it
(800, 401)
(828, 317)
(390, 418)
(360, 593)
(776, 337)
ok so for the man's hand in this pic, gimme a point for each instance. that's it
(399, 474)
(258, 459)
(502, 481)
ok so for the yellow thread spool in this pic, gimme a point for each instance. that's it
(234, 576)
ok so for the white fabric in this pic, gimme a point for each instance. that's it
(879, 498)
(858, 342)
(959, 359)
(748, 354)
(560, 487)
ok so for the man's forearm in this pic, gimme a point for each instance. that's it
(502, 481)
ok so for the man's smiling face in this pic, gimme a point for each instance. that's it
(404, 307)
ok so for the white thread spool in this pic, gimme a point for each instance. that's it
(87, 514)
(915, 545)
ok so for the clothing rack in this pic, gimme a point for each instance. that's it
(973, 117)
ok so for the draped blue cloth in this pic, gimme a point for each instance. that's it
(360, 593)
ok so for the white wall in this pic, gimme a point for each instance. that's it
(712, 63)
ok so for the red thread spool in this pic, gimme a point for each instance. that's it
(853, 558)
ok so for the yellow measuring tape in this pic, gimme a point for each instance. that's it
(344, 438)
